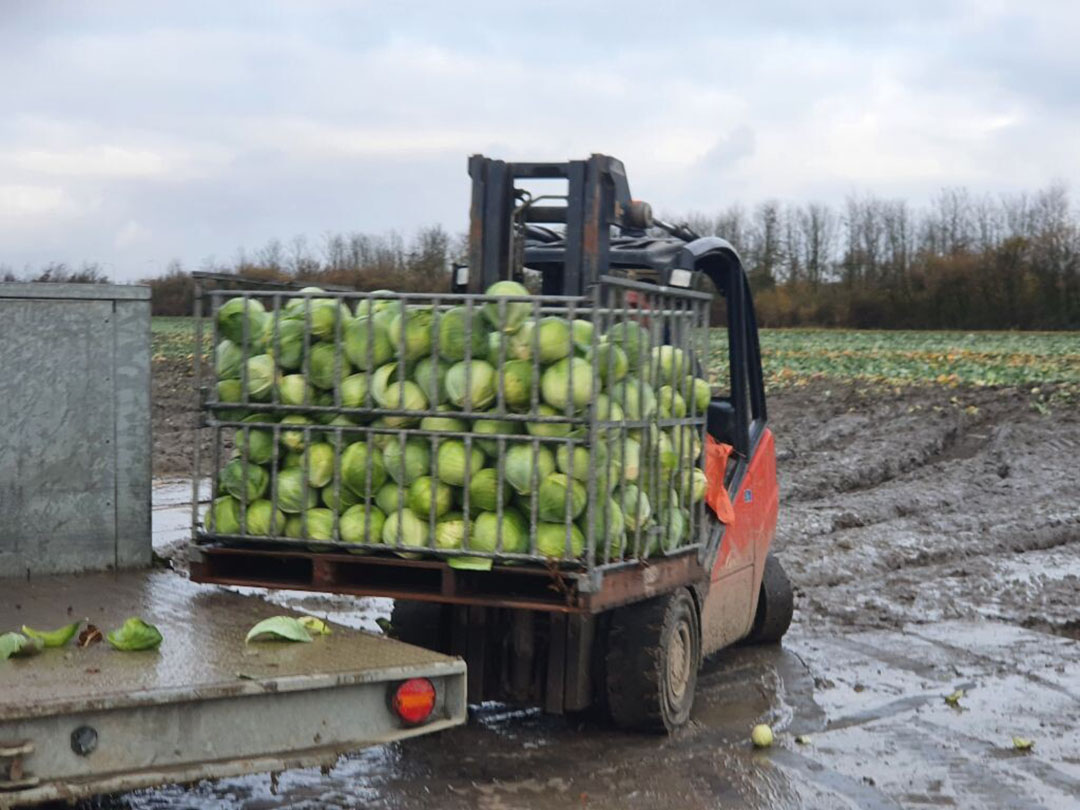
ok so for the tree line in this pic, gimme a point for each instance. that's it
(961, 262)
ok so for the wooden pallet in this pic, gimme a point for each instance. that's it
(525, 586)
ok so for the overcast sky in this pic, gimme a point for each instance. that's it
(134, 133)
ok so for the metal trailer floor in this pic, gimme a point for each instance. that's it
(205, 704)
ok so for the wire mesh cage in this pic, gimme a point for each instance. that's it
(501, 428)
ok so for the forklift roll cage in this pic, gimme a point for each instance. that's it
(606, 231)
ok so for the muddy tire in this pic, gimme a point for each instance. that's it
(775, 605)
(651, 661)
(419, 623)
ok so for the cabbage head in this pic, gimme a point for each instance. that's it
(325, 314)
(582, 331)
(296, 439)
(426, 495)
(507, 316)
(450, 530)
(391, 496)
(223, 516)
(261, 377)
(254, 444)
(288, 348)
(526, 467)
(671, 363)
(444, 424)
(354, 468)
(367, 344)
(233, 314)
(320, 463)
(354, 391)
(609, 529)
(430, 376)
(561, 498)
(452, 342)
(359, 524)
(554, 338)
(476, 379)
(319, 524)
(293, 389)
(670, 403)
(404, 396)
(291, 486)
(494, 426)
(551, 540)
(585, 461)
(228, 358)
(330, 500)
(243, 480)
(548, 428)
(261, 517)
(451, 461)
(485, 494)
(636, 398)
(410, 333)
(567, 382)
(634, 340)
(610, 361)
(405, 528)
(487, 528)
(516, 379)
(635, 507)
(406, 463)
(321, 365)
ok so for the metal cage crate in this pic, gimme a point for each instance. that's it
(310, 408)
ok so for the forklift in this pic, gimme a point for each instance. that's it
(624, 639)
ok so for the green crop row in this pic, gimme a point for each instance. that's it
(794, 356)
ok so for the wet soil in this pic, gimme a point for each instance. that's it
(933, 539)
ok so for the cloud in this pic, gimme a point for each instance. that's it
(18, 201)
(137, 133)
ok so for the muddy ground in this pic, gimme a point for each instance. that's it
(933, 537)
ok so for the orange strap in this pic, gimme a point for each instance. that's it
(716, 494)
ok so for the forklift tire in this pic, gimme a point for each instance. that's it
(651, 661)
(775, 605)
(419, 623)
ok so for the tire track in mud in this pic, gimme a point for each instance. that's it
(928, 504)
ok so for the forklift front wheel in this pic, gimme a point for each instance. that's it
(776, 604)
(651, 662)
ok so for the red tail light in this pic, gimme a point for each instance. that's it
(414, 700)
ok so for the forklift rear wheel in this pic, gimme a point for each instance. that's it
(651, 662)
(775, 605)
(419, 623)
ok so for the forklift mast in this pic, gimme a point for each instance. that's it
(600, 230)
(503, 214)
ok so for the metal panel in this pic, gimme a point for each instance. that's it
(78, 292)
(74, 422)
(132, 412)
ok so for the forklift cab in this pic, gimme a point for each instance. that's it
(606, 232)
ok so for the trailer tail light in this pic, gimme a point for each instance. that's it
(414, 700)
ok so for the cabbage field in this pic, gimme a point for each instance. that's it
(506, 428)
(796, 356)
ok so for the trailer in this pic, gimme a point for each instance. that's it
(615, 620)
(75, 491)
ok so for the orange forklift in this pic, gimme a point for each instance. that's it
(623, 636)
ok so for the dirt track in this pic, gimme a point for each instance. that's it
(933, 537)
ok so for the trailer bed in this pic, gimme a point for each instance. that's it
(205, 704)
